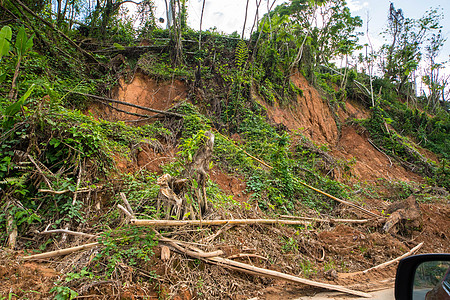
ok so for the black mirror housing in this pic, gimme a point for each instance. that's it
(404, 279)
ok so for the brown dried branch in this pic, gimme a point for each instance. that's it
(161, 223)
(326, 220)
(129, 104)
(68, 232)
(246, 268)
(125, 211)
(412, 251)
(127, 205)
(61, 251)
(385, 264)
(82, 190)
(247, 255)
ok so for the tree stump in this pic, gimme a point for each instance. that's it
(177, 196)
(405, 216)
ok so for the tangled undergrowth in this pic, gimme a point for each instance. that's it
(66, 174)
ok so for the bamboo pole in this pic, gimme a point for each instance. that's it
(161, 223)
(66, 231)
(60, 251)
(385, 264)
(326, 220)
(246, 268)
(412, 251)
(368, 212)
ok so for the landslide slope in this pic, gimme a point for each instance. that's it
(307, 139)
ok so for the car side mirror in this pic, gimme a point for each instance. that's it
(423, 277)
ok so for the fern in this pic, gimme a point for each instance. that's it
(241, 54)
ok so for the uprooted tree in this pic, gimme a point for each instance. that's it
(185, 197)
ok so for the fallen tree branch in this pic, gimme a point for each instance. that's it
(326, 220)
(68, 232)
(124, 111)
(82, 190)
(246, 268)
(375, 146)
(247, 255)
(210, 238)
(161, 223)
(197, 253)
(130, 104)
(127, 205)
(125, 211)
(130, 49)
(40, 171)
(61, 251)
(412, 251)
(385, 264)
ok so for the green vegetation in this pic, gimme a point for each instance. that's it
(59, 163)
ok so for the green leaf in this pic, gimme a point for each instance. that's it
(2, 77)
(23, 43)
(119, 46)
(5, 38)
(29, 43)
(15, 107)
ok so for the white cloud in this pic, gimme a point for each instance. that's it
(356, 5)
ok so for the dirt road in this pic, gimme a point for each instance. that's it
(379, 295)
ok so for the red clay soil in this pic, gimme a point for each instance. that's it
(369, 163)
(25, 280)
(233, 185)
(310, 114)
(360, 247)
(143, 91)
(314, 118)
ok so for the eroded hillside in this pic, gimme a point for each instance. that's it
(175, 164)
(330, 251)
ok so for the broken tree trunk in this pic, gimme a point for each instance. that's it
(11, 226)
(197, 170)
(170, 197)
(404, 216)
(177, 196)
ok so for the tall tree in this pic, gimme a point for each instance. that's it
(434, 80)
(403, 52)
